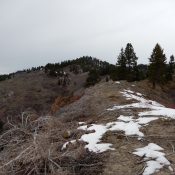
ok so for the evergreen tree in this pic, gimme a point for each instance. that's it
(157, 66)
(121, 66)
(142, 71)
(172, 63)
(131, 57)
(93, 78)
(131, 63)
(170, 69)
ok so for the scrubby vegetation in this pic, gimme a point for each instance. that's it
(34, 146)
(93, 78)
(5, 77)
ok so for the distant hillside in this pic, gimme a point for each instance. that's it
(44, 89)
(35, 92)
(76, 66)
(36, 89)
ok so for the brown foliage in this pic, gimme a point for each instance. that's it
(63, 101)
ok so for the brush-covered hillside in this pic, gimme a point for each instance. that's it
(74, 118)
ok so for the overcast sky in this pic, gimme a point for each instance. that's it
(35, 32)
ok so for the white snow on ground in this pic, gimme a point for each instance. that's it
(145, 120)
(84, 127)
(140, 121)
(93, 139)
(129, 125)
(117, 82)
(126, 124)
(81, 123)
(160, 111)
(67, 143)
(153, 108)
(130, 128)
(155, 160)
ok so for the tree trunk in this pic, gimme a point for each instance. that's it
(154, 84)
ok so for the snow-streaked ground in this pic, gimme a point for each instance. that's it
(94, 138)
(126, 124)
(152, 108)
(130, 125)
(154, 158)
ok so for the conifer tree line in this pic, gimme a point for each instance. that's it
(158, 70)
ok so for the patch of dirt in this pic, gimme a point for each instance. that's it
(121, 161)
(63, 101)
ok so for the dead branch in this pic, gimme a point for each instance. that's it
(16, 158)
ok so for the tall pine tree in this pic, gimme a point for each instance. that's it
(121, 66)
(170, 69)
(157, 66)
(131, 63)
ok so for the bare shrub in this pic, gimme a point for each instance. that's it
(33, 147)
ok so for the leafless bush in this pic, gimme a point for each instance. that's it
(33, 147)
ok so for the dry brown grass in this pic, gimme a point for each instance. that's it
(33, 147)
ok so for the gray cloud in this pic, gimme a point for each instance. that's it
(34, 32)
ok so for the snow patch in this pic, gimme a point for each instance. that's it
(67, 143)
(130, 128)
(129, 125)
(84, 127)
(160, 111)
(155, 160)
(153, 108)
(126, 124)
(81, 123)
(94, 138)
(146, 120)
